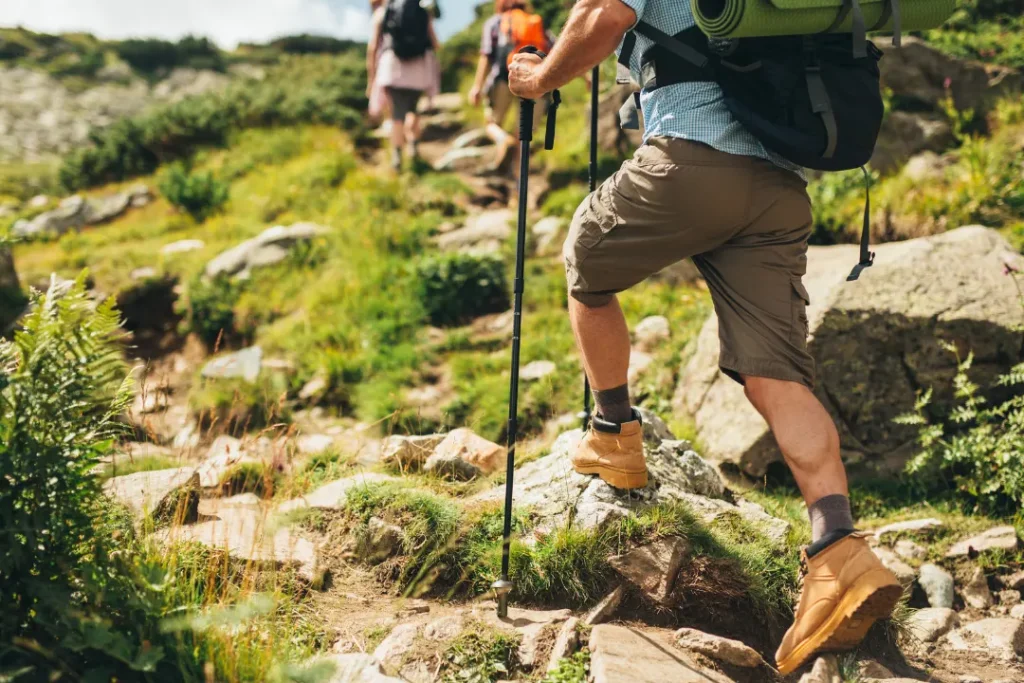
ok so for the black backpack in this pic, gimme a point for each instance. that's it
(815, 100)
(407, 29)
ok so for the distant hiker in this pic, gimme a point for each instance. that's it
(512, 27)
(703, 186)
(401, 64)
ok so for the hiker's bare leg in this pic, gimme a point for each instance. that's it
(603, 340)
(412, 125)
(805, 433)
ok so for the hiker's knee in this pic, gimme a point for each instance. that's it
(767, 392)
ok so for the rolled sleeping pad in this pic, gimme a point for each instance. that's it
(758, 18)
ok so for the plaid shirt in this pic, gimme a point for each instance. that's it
(691, 111)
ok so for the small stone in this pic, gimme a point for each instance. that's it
(1017, 612)
(445, 628)
(913, 526)
(653, 568)
(409, 452)
(1009, 598)
(381, 541)
(312, 444)
(903, 571)
(931, 623)
(547, 230)
(536, 370)
(655, 429)
(1014, 581)
(393, 648)
(412, 608)
(825, 670)
(314, 388)
(475, 450)
(722, 649)
(970, 679)
(245, 364)
(909, 550)
(999, 638)
(652, 331)
(976, 593)
(181, 247)
(566, 643)
(869, 668)
(937, 584)
(997, 538)
(451, 466)
(605, 609)
(39, 201)
(144, 273)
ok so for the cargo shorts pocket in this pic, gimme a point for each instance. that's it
(593, 220)
(800, 323)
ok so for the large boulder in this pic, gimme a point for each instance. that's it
(923, 74)
(905, 134)
(144, 492)
(877, 342)
(555, 493)
(268, 248)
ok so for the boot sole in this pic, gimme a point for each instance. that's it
(870, 599)
(620, 479)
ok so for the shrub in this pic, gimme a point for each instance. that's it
(306, 43)
(455, 288)
(978, 447)
(150, 56)
(198, 194)
(209, 309)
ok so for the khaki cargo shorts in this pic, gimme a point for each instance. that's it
(743, 221)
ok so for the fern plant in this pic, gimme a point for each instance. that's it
(980, 447)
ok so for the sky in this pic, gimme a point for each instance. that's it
(228, 22)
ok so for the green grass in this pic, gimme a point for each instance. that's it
(480, 655)
(125, 465)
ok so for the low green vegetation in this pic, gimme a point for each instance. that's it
(200, 195)
(455, 288)
(574, 669)
(479, 655)
(123, 465)
(987, 30)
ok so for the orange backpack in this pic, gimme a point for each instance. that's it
(518, 29)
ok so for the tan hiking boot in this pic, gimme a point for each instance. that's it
(846, 588)
(614, 452)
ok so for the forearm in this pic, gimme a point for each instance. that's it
(483, 65)
(592, 33)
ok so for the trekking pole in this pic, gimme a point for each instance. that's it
(503, 586)
(594, 103)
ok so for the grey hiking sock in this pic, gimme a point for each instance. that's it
(830, 514)
(613, 404)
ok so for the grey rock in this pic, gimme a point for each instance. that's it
(268, 248)
(547, 231)
(393, 648)
(1009, 598)
(566, 643)
(871, 669)
(937, 584)
(914, 526)
(348, 668)
(879, 334)
(976, 593)
(76, 212)
(1017, 612)
(451, 466)
(924, 167)
(181, 247)
(997, 538)
(379, 541)
(494, 225)
(652, 331)
(462, 159)
(825, 670)
(143, 492)
(931, 623)
(471, 138)
(625, 655)
(537, 370)
(1001, 639)
(1014, 581)
(904, 572)
(655, 429)
(333, 496)
(905, 134)
(653, 568)
(716, 647)
(532, 627)
(445, 628)
(409, 452)
(909, 550)
(605, 609)
(224, 453)
(245, 364)
(245, 535)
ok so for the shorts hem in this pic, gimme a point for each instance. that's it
(764, 367)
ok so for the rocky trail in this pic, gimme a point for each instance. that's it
(669, 611)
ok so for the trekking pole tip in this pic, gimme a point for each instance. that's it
(502, 588)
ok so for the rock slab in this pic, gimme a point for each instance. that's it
(625, 655)
(716, 647)
(876, 343)
(997, 538)
(931, 623)
(653, 568)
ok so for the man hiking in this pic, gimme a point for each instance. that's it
(401, 67)
(702, 186)
(512, 27)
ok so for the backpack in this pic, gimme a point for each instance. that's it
(516, 30)
(407, 29)
(815, 100)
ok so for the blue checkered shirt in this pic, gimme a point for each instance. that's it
(691, 111)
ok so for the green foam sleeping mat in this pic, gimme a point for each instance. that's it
(754, 18)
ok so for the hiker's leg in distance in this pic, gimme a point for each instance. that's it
(499, 103)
